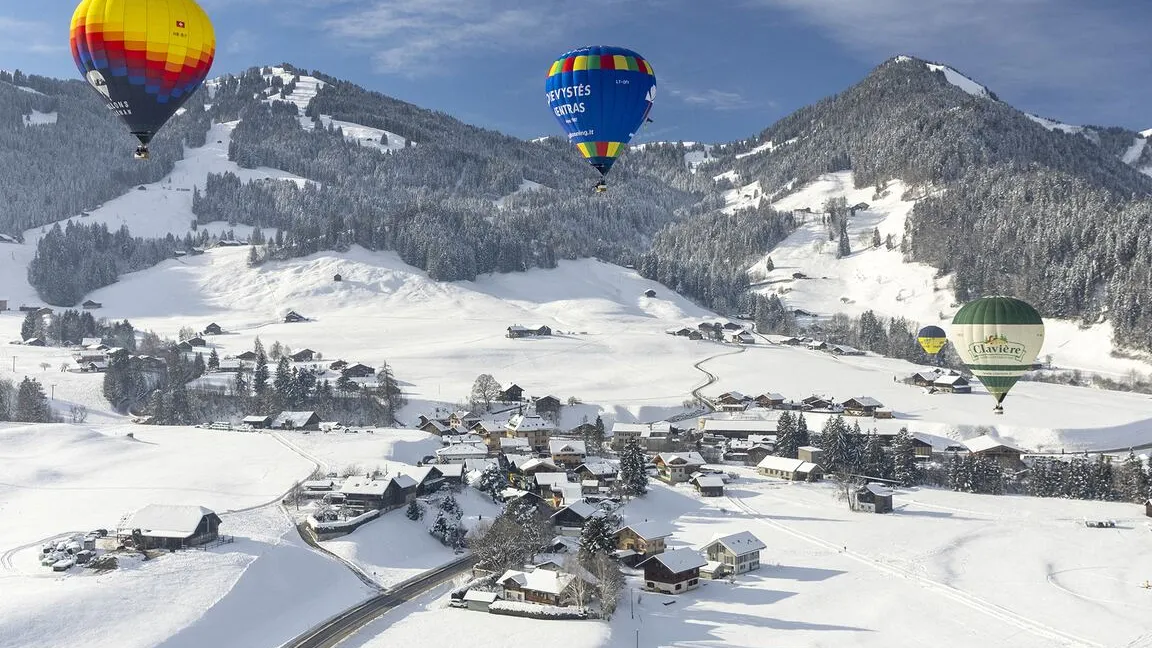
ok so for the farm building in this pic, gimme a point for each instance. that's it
(989, 447)
(871, 498)
(296, 421)
(708, 485)
(790, 469)
(673, 572)
(162, 526)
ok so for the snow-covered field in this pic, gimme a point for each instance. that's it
(261, 589)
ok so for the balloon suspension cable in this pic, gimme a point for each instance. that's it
(142, 153)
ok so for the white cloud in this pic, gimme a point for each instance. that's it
(416, 37)
(711, 98)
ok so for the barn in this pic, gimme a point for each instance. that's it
(164, 526)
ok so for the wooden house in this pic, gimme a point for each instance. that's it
(862, 406)
(649, 293)
(952, 385)
(622, 433)
(602, 472)
(739, 553)
(676, 467)
(213, 329)
(871, 498)
(991, 448)
(337, 278)
(756, 453)
(770, 400)
(91, 305)
(513, 394)
(36, 342)
(258, 422)
(567, 453)
(161, 526)
(538, 585)
(531, 427)
(296, 421)
(819, 403)
(810, 453)
(645, 538)
(364, 493)
(790, 469)
(303, 355)
(339, 365)
(708, 485)
(293, 317)
(549, 405)
(358, 371)
(923, 378)
(673, 572)
(573, 517)
(247, 356)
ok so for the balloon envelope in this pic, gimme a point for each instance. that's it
(998, 338)
(932, 339)
(144, 57)
(600, 96)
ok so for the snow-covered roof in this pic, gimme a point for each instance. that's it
(90, 342)
(879, 489)
(404, 481)
(458, 439)
(738, 543)
(865, 401)
(513, 442)
(581, 508)
(527, 422)
(296, 419)
(255, 419)
(687, 458)
(472, 465)
(481, 597)
(551, 479)
(167, 520)
(630, 427)
(536, 462)
(463, 450)
(563, 446)
(569, 492)
(709, 481)
(650, 530)
(678, 560)
(361, 485)
(949, 380)
(538, 580)
(599, 468)
(451, 470)
(785, 464)
(763, 426)
(983, 443)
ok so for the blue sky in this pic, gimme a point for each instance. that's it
(726, 68)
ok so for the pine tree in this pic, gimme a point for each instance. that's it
(1132, 480)
(198, 367)
(491, 481)
(874, 461)
(836, 445)
(988, 476)
(785, 436)
(595, 440)
(31, 403)
(1079, 485)
(905, 470)
(633, 476)
(282, 383)
(803, 438)
(451, 507)
(844, 248)
(213, 360)
(597, 536)
(260, 373)
(31, 326)
(415, 512)
(876, 237)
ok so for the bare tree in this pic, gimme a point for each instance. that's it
(610, 582)
(78, 413)
(44, 365)
(484, 391)
(581, 590)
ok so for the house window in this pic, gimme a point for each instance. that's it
(693, 582)
(678, 586)
(651, 585)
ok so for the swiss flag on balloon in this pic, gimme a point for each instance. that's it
(180, 24)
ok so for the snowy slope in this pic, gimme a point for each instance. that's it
(961, 81)
(879, 279)
(526, 186)
(38, 118)
(1055, 125)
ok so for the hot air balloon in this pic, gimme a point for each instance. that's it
(144, 57)
(932, 339)
(998, 338)
(601, 96)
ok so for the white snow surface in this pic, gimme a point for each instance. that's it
(1055, 125)
(1135, 150)
(38, 118)
(526, 186)
(961, 81)
(260, 590)
(879, 279)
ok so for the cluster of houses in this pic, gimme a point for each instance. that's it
(726, 331)
(856, 406)
(518, 331)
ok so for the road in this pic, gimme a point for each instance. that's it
(711, 376)
(331, 632)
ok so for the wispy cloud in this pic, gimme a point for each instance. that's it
(28, 37)
(1022, 42)
(712, 98)
(415, 37)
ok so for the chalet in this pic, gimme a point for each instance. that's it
(432, 426)
(683, 331)
(296, 421)
(844, 350)
(872, 498)
(513, 394)
(811, 454)
(339, 365)
(258, 422)
(531, 427)
(161, 526)
(659, 437)
(247, 356)
(460, 452)
(292, 317)
(91, 305)
(708, 485)
(510, 495)
(548, 405)
(538, 585)
(649, 293)
(572, 518)
(303, 355)
(673, 572)
(213, 329)
(800, 312)
(789, 469)
(451, 473)
(567, 453)
(529, 466)
(551, 486)
(695, 335)
(464, 419)
(602, 472)
(816, 345)
(184, 346)
(742, 337)
(622, 433)
(756, 453)
(821, 404)
(358, 371)
(517, 331)
(986, 446)
(8, 238)
(770, 400)
(94, 367)
(36, 342)
(364, 493)
(337, 278)
(645, 538)
(92, 343)
(563, 544)
(737, 429)
(197, 341)
(862, 406)
(952, 385)
(733, 401)
(739, 553)
(676, 467)
(509, 445)
(923, 378)
(319, 485)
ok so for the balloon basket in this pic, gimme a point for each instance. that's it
(998, 410)
(600, 188)
(142, 153)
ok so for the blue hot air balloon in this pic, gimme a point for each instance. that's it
(601, 96)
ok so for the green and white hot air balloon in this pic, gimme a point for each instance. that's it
(998, 338)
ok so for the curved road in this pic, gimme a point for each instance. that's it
(711, 376)
(338, 628)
